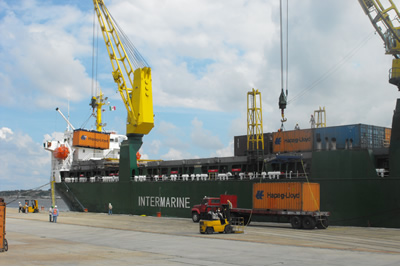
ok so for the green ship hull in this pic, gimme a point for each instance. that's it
(354, 198)
(350, 188)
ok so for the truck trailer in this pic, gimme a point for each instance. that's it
(297, 202)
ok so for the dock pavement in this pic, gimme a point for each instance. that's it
(101, 239)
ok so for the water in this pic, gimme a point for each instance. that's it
(12, 202)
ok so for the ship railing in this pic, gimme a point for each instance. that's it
(93, 179)
(220, 176)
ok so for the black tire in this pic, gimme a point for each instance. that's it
(209, 230)
(323, 223)
(228, 229)
(195, 217)
(295, 221)
(309, 222)
(5, 245)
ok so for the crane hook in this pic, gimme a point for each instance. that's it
(282, 104)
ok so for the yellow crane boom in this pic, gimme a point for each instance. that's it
(134, 86)
(382, 18)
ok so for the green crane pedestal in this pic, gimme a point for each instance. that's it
(394, 150)
(127, 162)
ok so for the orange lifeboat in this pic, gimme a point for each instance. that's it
(61, 152)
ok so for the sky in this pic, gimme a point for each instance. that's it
(205, 56)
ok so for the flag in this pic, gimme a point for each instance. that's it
(112, 108)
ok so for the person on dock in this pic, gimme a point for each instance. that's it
(109, 209)
(51, 214)
(20, 207)
(55, 214)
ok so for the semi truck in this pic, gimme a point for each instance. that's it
(295, 202)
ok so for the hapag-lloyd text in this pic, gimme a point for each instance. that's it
(283, 196)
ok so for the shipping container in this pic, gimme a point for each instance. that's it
(292, 141)
(372, 136)
(353, 136)
(91, 139)
(2, 224)
(294, 196)
(388, 135)
(338, 137)
(240, 145)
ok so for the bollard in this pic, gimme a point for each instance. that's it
(159, 214)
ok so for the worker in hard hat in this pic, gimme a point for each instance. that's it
(297, 127)
(55, 214)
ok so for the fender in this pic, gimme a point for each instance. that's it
(196, 210)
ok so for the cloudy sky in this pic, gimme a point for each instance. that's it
(205, 56)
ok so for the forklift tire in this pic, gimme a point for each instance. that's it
(195, 217)
(295, 221)
(5, 245)
(209, 230)
(228, 229)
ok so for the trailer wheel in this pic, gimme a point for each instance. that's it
(295, 221)
(228, 229)
(195, 217)
(5, 245)
(309, 222)
(323, 223)
(209, 230)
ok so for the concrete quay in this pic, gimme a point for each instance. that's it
(100, 239)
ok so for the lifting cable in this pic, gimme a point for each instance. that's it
(93, 48)
(283, 97)
(137, 59)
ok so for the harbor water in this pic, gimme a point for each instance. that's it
(13, 202)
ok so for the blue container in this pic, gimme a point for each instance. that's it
(347, 136)
(372, 136)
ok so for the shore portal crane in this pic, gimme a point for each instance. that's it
(382, 19)
(134, 86)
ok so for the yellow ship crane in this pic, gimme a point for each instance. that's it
(134, 86)
(384, 19)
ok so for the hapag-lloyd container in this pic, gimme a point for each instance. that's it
(91, 139)
(293, 196)
(291, 141)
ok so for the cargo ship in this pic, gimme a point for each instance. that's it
(357, 167)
